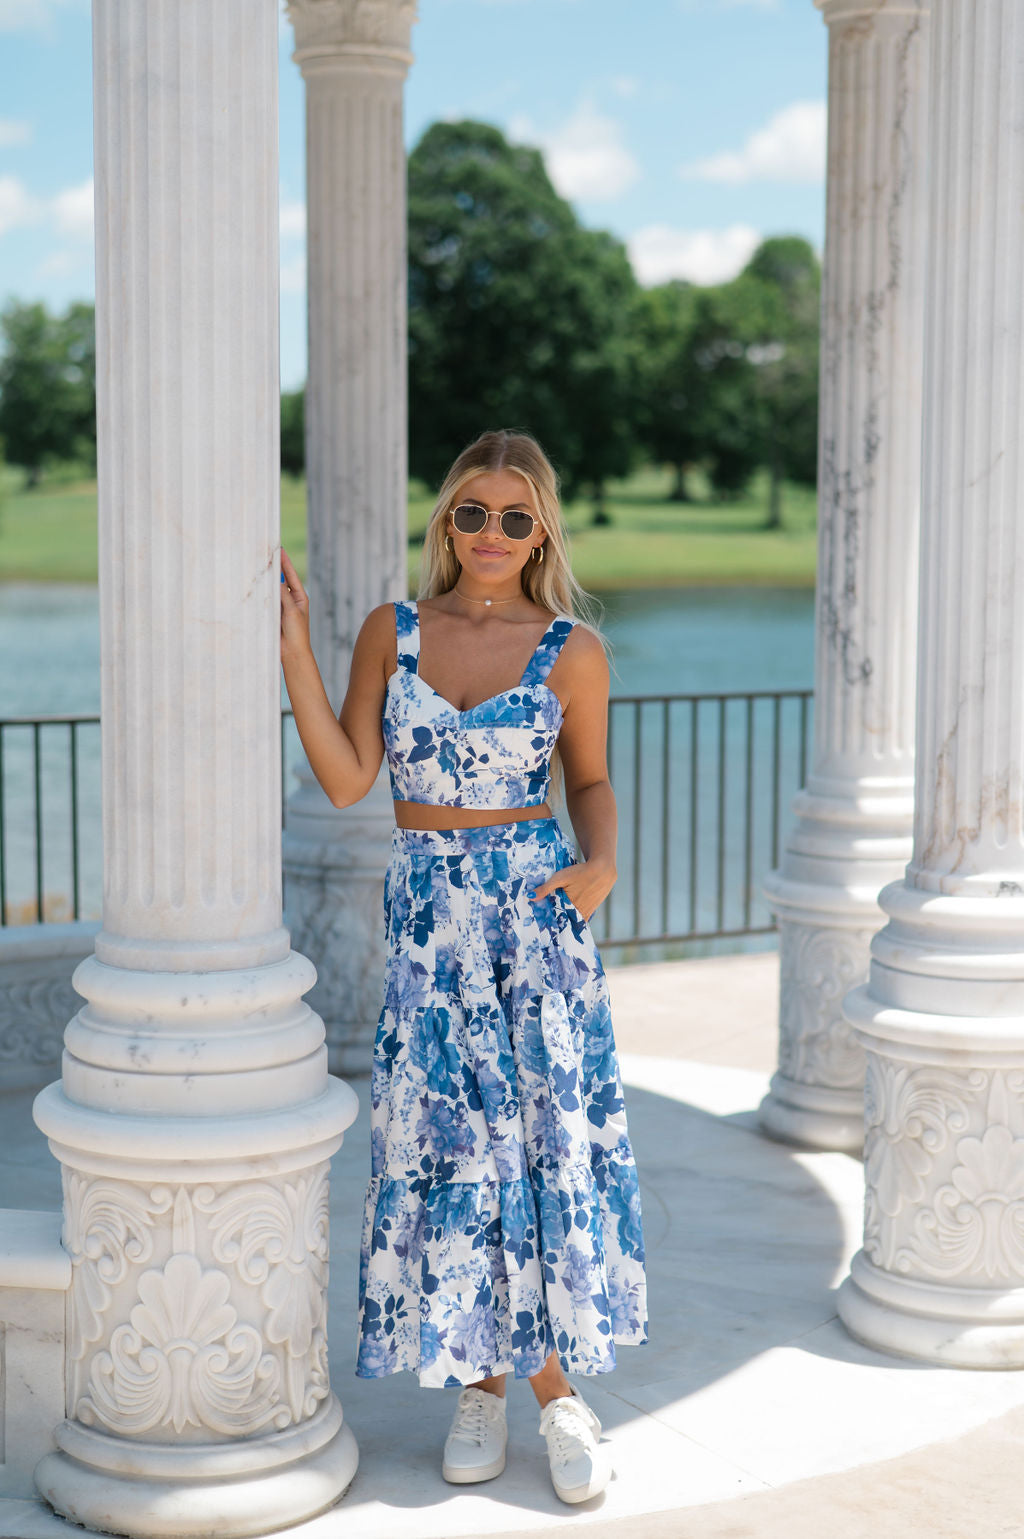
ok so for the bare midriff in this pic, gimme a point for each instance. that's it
(425, 815)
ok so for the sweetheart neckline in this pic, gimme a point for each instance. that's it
(513, 688)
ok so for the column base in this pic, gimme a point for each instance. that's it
(200, 1491)
(813, 1116)
(334, 863)
(953, 1327)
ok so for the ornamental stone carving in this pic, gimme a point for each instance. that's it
(818, 966)
(277, 1238)
(325, 25)
(944, 1170)
(33, 1014)
(184, 1360)
(337, 908)
(222, 1296)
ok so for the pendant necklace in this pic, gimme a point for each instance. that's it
(487, 602)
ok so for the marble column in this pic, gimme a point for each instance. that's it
(852, 829)
(941, 1272)
(195, 1118)
(354, 59)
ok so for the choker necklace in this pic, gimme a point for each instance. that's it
(488, 602)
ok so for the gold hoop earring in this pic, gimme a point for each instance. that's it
(538, 554)
(448, 542)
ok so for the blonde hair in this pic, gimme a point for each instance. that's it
(549, 583)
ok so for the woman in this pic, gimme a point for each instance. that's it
(502, 1220)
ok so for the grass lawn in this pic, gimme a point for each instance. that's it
(50, 534)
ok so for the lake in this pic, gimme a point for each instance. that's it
(682, 864)
(665, 642)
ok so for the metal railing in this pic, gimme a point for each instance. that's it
(704, 785)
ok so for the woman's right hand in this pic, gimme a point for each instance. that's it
(294, 611)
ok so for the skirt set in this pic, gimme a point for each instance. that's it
(502, 1216)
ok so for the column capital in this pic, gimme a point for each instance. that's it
(337, 33)
(870, 10)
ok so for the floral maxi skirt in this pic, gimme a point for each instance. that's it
(502, 1217)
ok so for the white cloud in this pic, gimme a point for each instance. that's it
(293, 275)
(789, 148)
(17, 205)
(72, 211)
(659, 253)
(36, 15)
(14, 131)
(728, 5)
(625, 86)
(60, 263)
(293, 219)
(585, 157)
(293, 242)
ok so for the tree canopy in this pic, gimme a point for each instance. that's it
(518, 316)
(47, 385)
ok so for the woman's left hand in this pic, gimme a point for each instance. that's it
(586, 885)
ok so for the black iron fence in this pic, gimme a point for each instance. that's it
(704, 785)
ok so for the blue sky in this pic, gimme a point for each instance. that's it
(689, 128)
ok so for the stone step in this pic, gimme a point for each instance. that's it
(35, 1272)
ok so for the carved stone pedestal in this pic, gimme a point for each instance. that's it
(198, 1397)
(941, 1272)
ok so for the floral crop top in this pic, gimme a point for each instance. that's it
(496, 754)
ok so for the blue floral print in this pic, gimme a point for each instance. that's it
(497, 754)
(502, 1217)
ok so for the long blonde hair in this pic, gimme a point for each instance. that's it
(549, 583)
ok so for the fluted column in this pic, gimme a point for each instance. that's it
(853, 820)
(941, 1272)
(354, 59)
(195, 1118)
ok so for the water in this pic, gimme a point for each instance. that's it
(710, 640)
(664, 642)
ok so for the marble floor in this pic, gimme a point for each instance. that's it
(751, 1412)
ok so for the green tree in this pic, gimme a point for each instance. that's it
(293, 431)
(724, 416)
(783, 278)
(667, 378)
(729, 373)
(47, 385)
(518, 316)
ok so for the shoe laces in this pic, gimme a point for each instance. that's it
(471, 1418)
(568, 1431)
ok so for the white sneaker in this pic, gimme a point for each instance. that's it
(580, 1467)
(475, 1446)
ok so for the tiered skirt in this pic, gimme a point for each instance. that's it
(502, 1217)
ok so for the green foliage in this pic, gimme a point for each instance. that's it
(728, 374)
(518, 317)
(47, 386)
(293, 431)
(668, 383)
(785, 348)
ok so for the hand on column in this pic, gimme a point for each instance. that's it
(294, 611)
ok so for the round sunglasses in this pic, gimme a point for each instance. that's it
(471, 518)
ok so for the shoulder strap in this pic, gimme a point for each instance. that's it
(407, 635)
(548, 648)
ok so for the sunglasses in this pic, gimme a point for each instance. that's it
(471, 518)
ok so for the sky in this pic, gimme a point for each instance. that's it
(691, 129)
